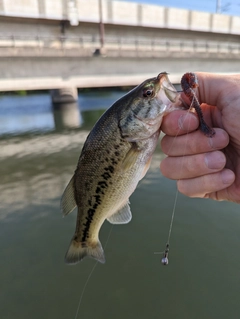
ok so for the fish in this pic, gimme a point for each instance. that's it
(115, 157)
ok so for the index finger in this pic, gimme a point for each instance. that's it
(179, 122)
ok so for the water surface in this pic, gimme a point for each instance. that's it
(36, 163)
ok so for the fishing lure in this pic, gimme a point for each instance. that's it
(189, 82)
(165, 255)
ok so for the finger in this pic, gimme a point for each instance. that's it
(192, 166)
(194, 143)
(204, 186)
(213, 88)
(179, 122)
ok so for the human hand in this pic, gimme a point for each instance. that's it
(206, 167)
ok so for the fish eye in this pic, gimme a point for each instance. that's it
(147, 93)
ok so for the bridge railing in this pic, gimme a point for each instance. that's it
(117, 46)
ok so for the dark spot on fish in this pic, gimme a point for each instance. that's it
(98, 199)
(148, 109)
(106, 159)
(102, 184)
(87, 224)
(116, 146)
(129, 119)
(108, 152)
(117, 153)
(90, 213)
(110, 168)
(106, 176)
(113, 161)
(98, 190)
(138, 109)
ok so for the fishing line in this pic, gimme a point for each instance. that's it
(90, 275)
(210, 132)
(84, 288)
(166, 251)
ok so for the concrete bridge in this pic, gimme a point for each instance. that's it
(52, 44)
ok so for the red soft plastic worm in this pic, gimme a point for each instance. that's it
(189, 82)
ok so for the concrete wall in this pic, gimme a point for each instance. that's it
(122, 13)
(152, 16)
(12, 26)
(56, 65)
(21, 7)
(34, 73)
(200, 21)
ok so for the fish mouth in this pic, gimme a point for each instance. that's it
(167, 92)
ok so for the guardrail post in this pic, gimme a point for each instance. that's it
(181, 46)
(207, 47)
(81, 42)
(167, 44)
(62, 39)
(194, 46)
(38, 41)
(136, 44)
(152, 45)
(13, 41)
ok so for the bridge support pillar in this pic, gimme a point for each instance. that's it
(64, 95)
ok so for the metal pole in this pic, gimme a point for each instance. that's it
(101, 25)
(218, 6)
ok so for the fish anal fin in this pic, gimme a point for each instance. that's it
(122, 216)
(79, 250)
(68, 202)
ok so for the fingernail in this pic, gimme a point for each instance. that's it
(215, 160)
(184, 121)
(227, 177)
(220, 139)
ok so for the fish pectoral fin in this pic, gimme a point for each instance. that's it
(131, 157)
(146, 167)
(78, 250)
(68, 202)
(122, 216)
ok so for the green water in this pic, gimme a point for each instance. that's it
(201, 280)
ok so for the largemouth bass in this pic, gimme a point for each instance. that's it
(115, 156)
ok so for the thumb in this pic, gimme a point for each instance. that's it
(215, 89)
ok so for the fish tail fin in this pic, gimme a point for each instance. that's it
(78, 250)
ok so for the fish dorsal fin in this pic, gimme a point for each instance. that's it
(122, 216)
(68, 202)
(130, 158)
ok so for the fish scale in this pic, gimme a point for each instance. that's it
(115, 156)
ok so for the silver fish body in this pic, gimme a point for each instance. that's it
(115, 156)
